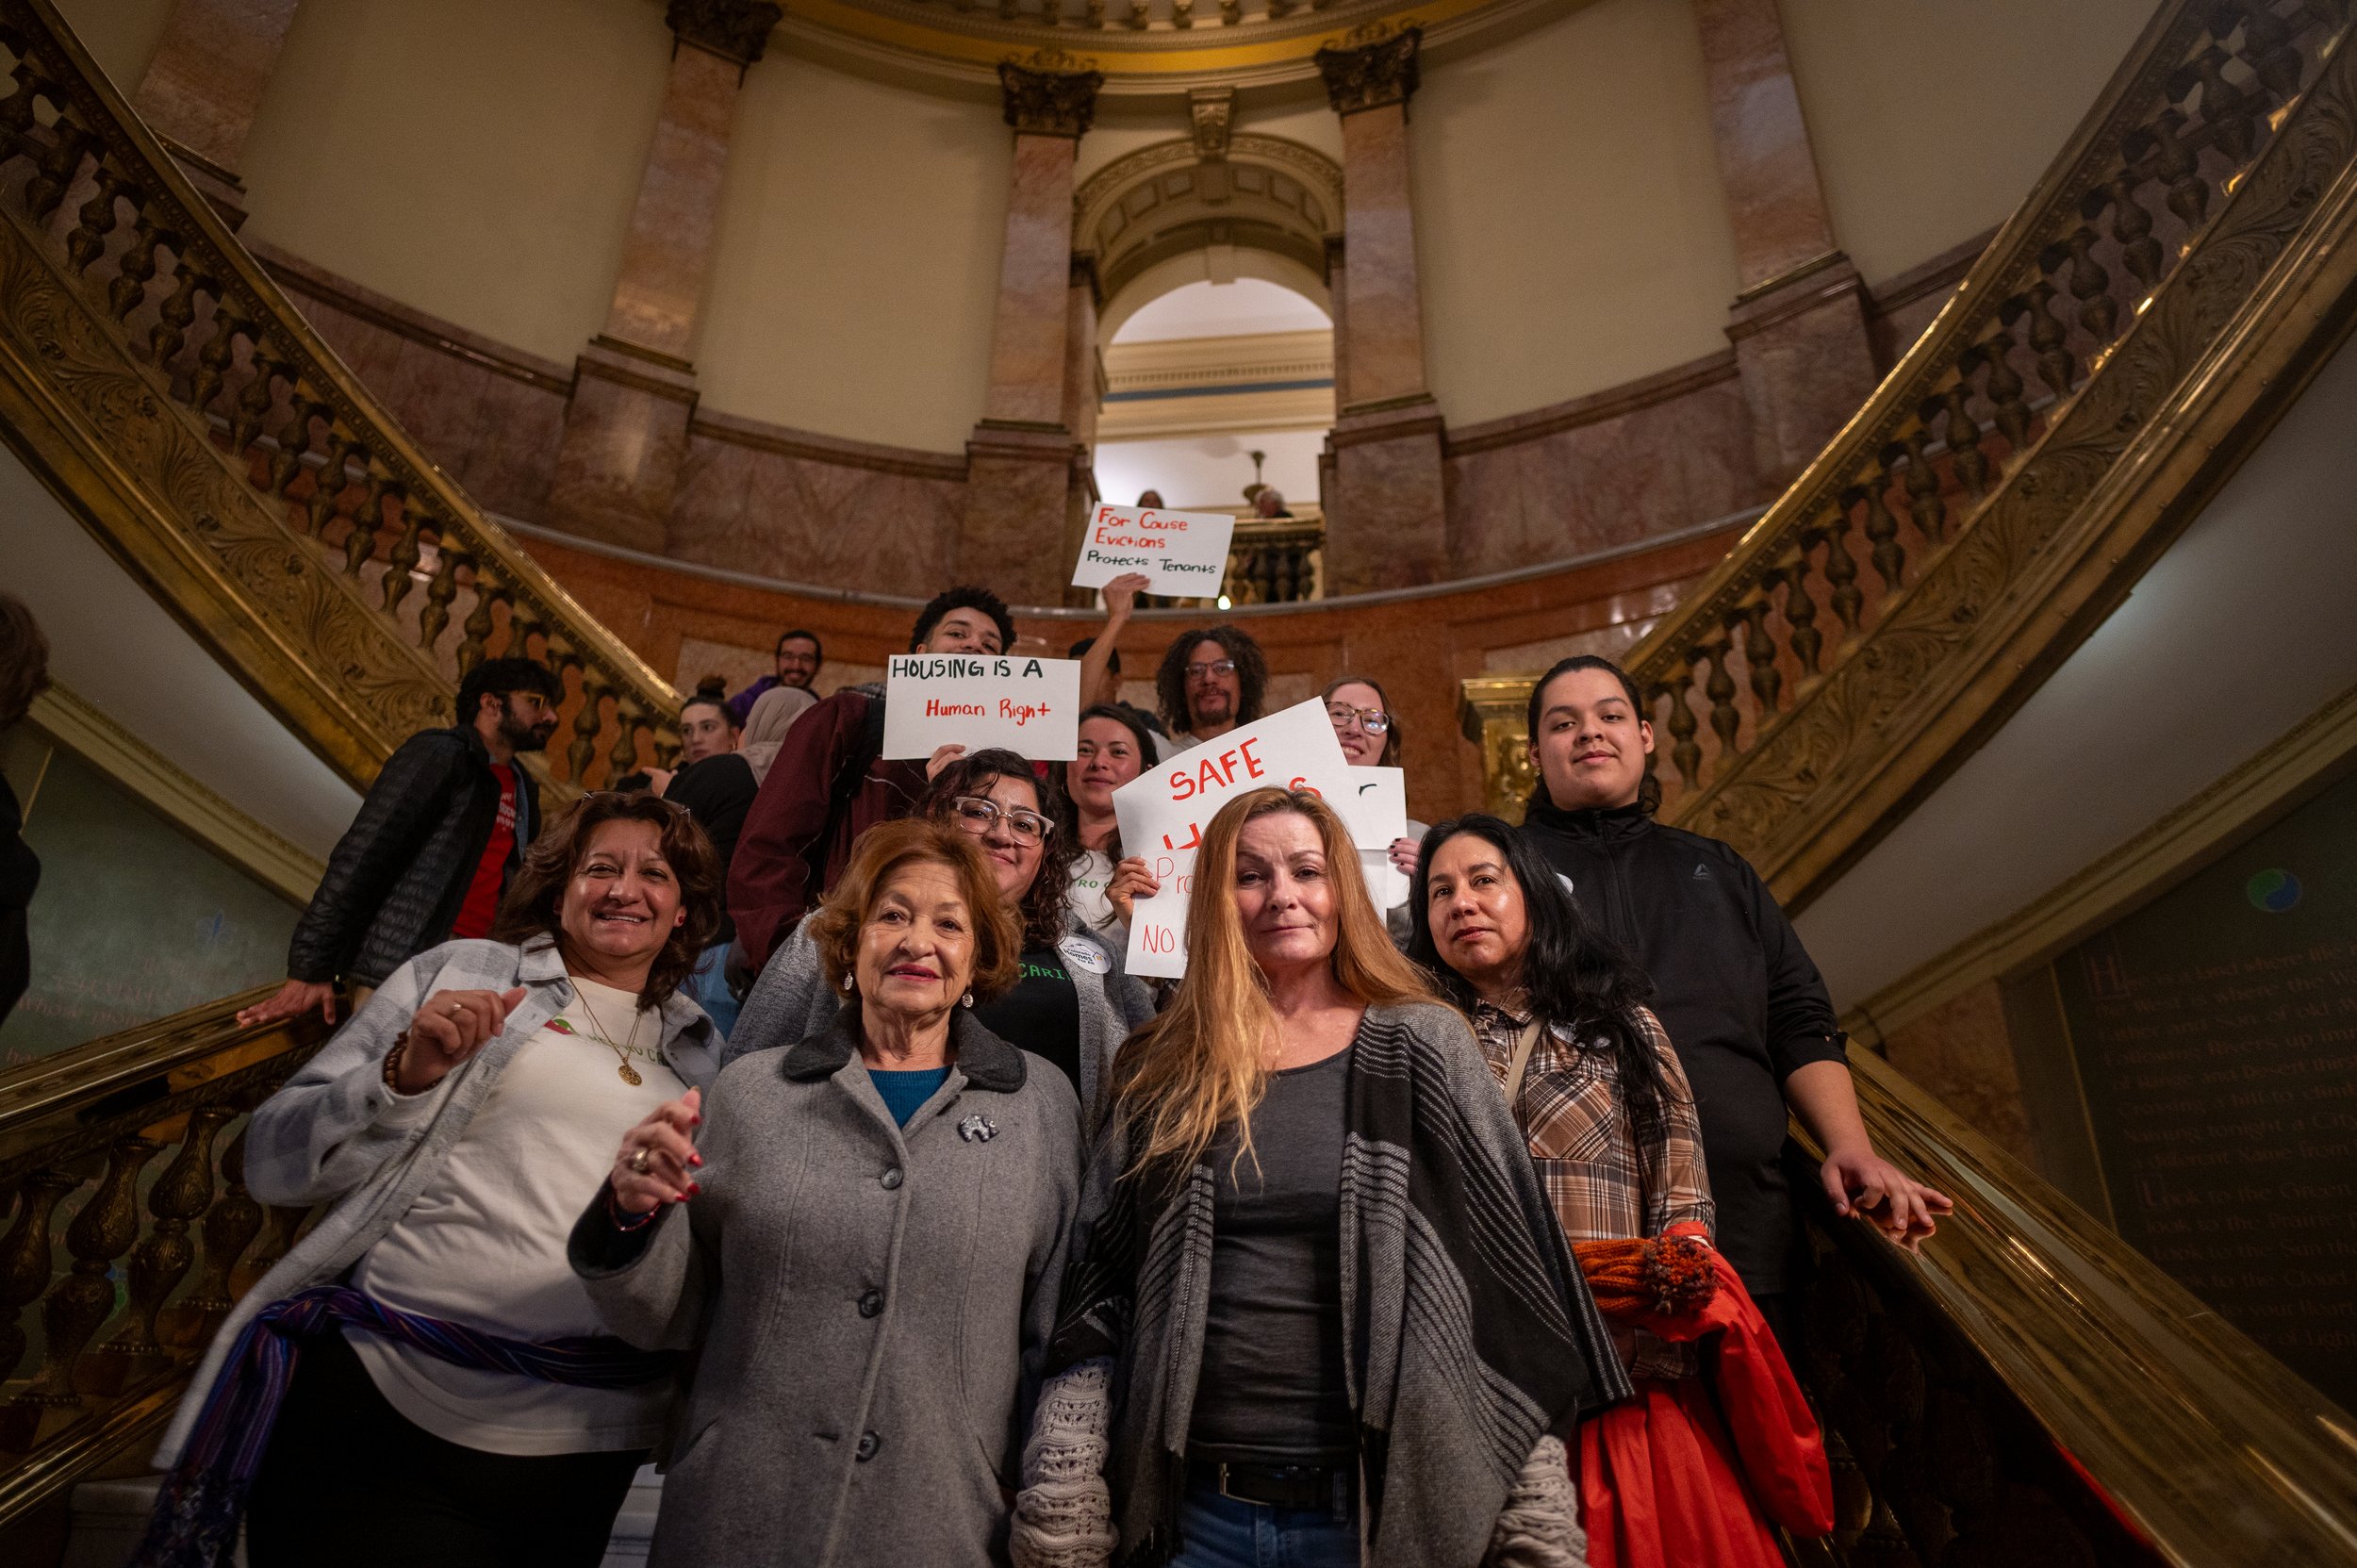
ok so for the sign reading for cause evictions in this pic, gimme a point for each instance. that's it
(1184, 552)
(1162, 812)
(1029, 706)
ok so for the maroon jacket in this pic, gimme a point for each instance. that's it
(827, 786)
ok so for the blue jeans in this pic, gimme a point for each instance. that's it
(709, 987)
(1221, 1532)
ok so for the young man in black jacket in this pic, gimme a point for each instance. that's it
(439, 835)
(1742, 1003)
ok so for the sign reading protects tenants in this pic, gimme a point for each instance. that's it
(1184, 552)
(1029, 706)
(1162, 812)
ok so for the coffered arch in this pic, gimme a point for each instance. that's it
(1259, 194)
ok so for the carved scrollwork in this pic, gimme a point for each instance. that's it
(1372, 66)
(1043, 96)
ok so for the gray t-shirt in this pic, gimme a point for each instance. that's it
(1273, 1384)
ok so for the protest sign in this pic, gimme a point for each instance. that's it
(1162, 812)
(1029, 706)
(1184, 552)
(1377, 815)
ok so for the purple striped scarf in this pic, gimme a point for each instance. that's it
(199, 1507)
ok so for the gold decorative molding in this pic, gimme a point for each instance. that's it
(1263, 191)
(1493, 712)
(2314, 754)
(1048, 95)
(1372, 66)
(1261, 381)
(155, 376)
(83, 730)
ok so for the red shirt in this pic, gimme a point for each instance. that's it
(490, 873)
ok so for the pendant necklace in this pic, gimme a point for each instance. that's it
(629, 1074)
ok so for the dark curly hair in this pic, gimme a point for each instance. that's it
(1170, 681)
(1044, 911)
(967, 598)
(1577, 976)
(535, 899)
(499, 678)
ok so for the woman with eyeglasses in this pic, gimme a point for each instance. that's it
(1071, 1004)
(1106, 885)
(1370, 736)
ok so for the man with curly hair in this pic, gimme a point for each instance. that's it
(1210, 682)
(830, 782)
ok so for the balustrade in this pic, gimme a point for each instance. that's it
(129, 1232)
(89, 191)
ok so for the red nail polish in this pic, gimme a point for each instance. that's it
(694, 1159)
(694, 1189)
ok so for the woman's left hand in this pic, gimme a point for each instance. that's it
(658, 1158)
(1130, 882)
(1404, 852)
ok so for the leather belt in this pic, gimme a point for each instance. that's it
(1331, 1487)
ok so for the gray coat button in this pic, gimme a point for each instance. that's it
(870, 1304)
(868, 1444)
(892, 1178)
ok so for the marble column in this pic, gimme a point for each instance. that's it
(1023, 461)
(204, 83)
(1386, 512)
(1798, 322)
(1083, 394)
(634, 386)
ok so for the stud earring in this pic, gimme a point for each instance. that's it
(968, 1001)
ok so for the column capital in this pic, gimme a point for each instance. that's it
(734, 29)
(1043, 96)
(1372, 67)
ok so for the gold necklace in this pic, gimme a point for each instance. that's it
(629, 1075)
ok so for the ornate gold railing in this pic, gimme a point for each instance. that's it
(2032, 1390)
(1995, 493)
(1275, 561)
(129, 1229)
(158, 379)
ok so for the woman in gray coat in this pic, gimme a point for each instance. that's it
(1071, 1003)
(873, 1235)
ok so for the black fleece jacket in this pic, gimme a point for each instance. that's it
(398, 876)
(1740, 998)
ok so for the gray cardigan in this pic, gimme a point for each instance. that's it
(870, 1305)
(792, 999)
(335, 1134)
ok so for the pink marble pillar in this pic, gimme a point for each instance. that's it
(1083, 394)
(1387, 524)
(204, 84)
(1798, 322)
(633, 386)
(1022, 460)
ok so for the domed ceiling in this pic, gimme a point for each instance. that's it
(1144, 47)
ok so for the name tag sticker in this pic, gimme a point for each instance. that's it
(1082, 953)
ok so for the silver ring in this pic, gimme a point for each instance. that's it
(456, 1008)
(641, 1162)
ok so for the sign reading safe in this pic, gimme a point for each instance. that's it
(1029, 706)
(1184, 552)
(1162, 812)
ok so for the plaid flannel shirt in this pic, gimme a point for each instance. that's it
(1605, 1181)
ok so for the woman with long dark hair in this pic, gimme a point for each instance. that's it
(1559, 1014)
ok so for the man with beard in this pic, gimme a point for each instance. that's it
(799, 656)
(1208, 683)
(440, 833)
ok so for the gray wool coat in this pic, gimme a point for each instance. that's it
(792, 999)
(334, 1133)
(869, 1305)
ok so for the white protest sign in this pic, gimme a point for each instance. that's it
(1184, 552)
(1377, 815)
(1162, 812)
(1029, 706)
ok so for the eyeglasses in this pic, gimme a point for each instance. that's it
(1208, 671)
(1372, 720)
(977, 815)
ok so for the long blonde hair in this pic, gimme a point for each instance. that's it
(1202, 1063)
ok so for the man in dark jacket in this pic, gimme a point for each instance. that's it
(830, 782)
(439, 835)
(1742, 1003)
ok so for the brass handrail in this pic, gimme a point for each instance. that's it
(2213, 1451)
(1903, 492)
(161, 379)
(130, 1276)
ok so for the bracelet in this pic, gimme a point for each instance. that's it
(623, 1219)
(392, 1061)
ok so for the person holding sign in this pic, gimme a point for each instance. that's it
(1210, 682)
(1560, 1017)
(1106, 885)
(830, 782)
(1304, 1103)
(1071, 1003)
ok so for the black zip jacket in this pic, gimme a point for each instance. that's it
(1740, 998)
(398, 876)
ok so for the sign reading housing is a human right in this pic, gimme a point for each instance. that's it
(1184, 552)
(1029, 706)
